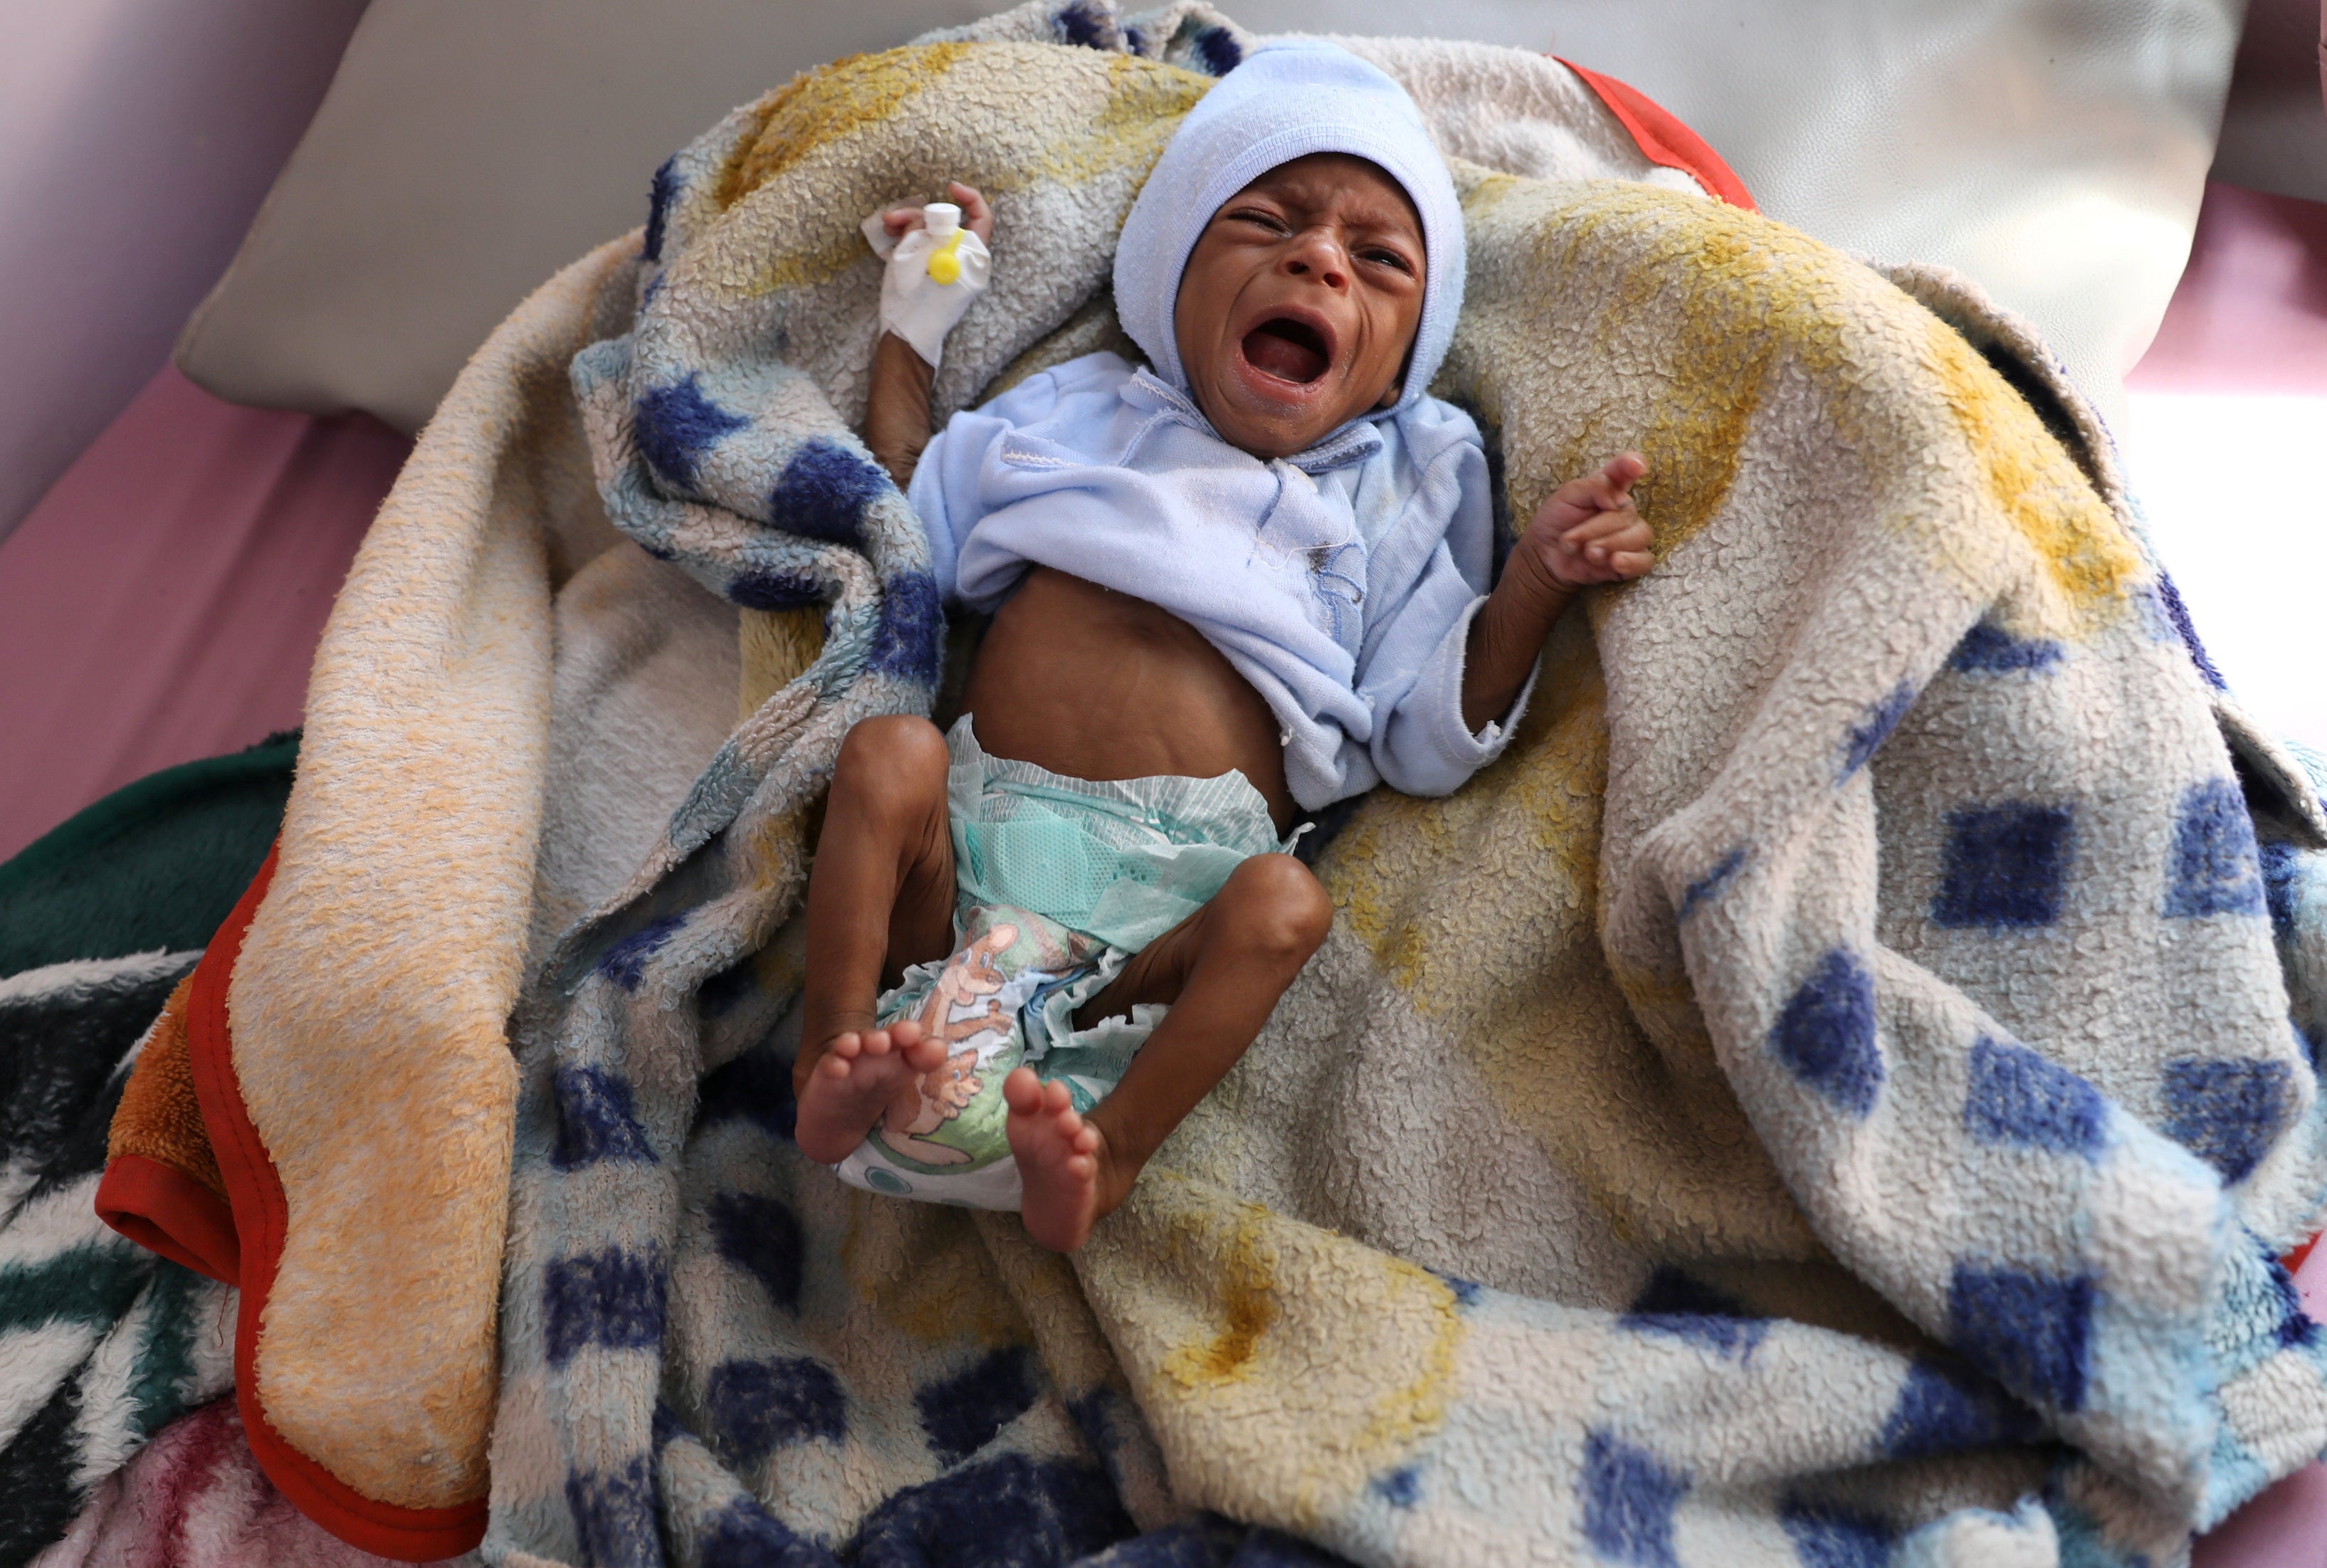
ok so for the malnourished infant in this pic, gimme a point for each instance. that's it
(1243, 582)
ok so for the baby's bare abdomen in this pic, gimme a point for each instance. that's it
(1095, 683)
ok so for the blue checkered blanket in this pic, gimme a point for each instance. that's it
(1832, 1093)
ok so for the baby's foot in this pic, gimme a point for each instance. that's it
(1068, 1181)
(855, 1081)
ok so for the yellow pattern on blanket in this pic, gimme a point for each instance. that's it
(1569, 1204)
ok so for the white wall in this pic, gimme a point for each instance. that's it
(2230, 485)
(141, 136)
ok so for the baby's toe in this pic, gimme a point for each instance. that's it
(1022, 1091)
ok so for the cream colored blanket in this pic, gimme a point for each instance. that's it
(1829, 1090)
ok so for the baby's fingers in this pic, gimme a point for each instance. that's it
(1611, 488)
(1604, 547)
(1602, 527)
(1612, 552)
(975, 215)
(901, 221)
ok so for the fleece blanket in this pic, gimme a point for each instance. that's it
(101, 1342)
(1832, 1093)
(100, 920)
(361, 1124)
(153, 867)
(194, 1497)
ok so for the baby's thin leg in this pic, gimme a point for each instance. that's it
(880, 897)
(1222, 970)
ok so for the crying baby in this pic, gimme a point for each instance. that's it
(1234, 584)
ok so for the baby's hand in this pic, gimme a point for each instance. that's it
(1589, 531)
(975, 215)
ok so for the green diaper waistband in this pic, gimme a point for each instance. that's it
(1121, 861)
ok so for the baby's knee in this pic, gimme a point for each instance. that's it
(895, 759)
(1278, 910)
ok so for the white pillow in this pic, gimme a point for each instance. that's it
(2054, 149)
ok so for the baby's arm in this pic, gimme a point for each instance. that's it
(1587, 532)
(897, 410)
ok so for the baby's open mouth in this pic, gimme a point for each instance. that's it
(1289, 350)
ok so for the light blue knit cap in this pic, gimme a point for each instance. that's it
(1286, 101)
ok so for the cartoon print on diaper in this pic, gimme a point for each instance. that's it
(972, 1007)
(960, 1011)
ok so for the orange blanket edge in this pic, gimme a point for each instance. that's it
(258, 1218)
(165, 1211)
(1662, 136)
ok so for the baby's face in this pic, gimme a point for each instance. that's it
(1300, 302)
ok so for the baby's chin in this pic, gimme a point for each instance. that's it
(1271, 416)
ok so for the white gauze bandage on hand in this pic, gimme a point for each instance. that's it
(934, 273)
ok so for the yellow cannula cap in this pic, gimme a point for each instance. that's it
(943, 220)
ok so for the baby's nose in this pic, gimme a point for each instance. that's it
(1318, 254)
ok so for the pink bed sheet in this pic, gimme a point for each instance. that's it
(2250, 313)
(164, 600)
